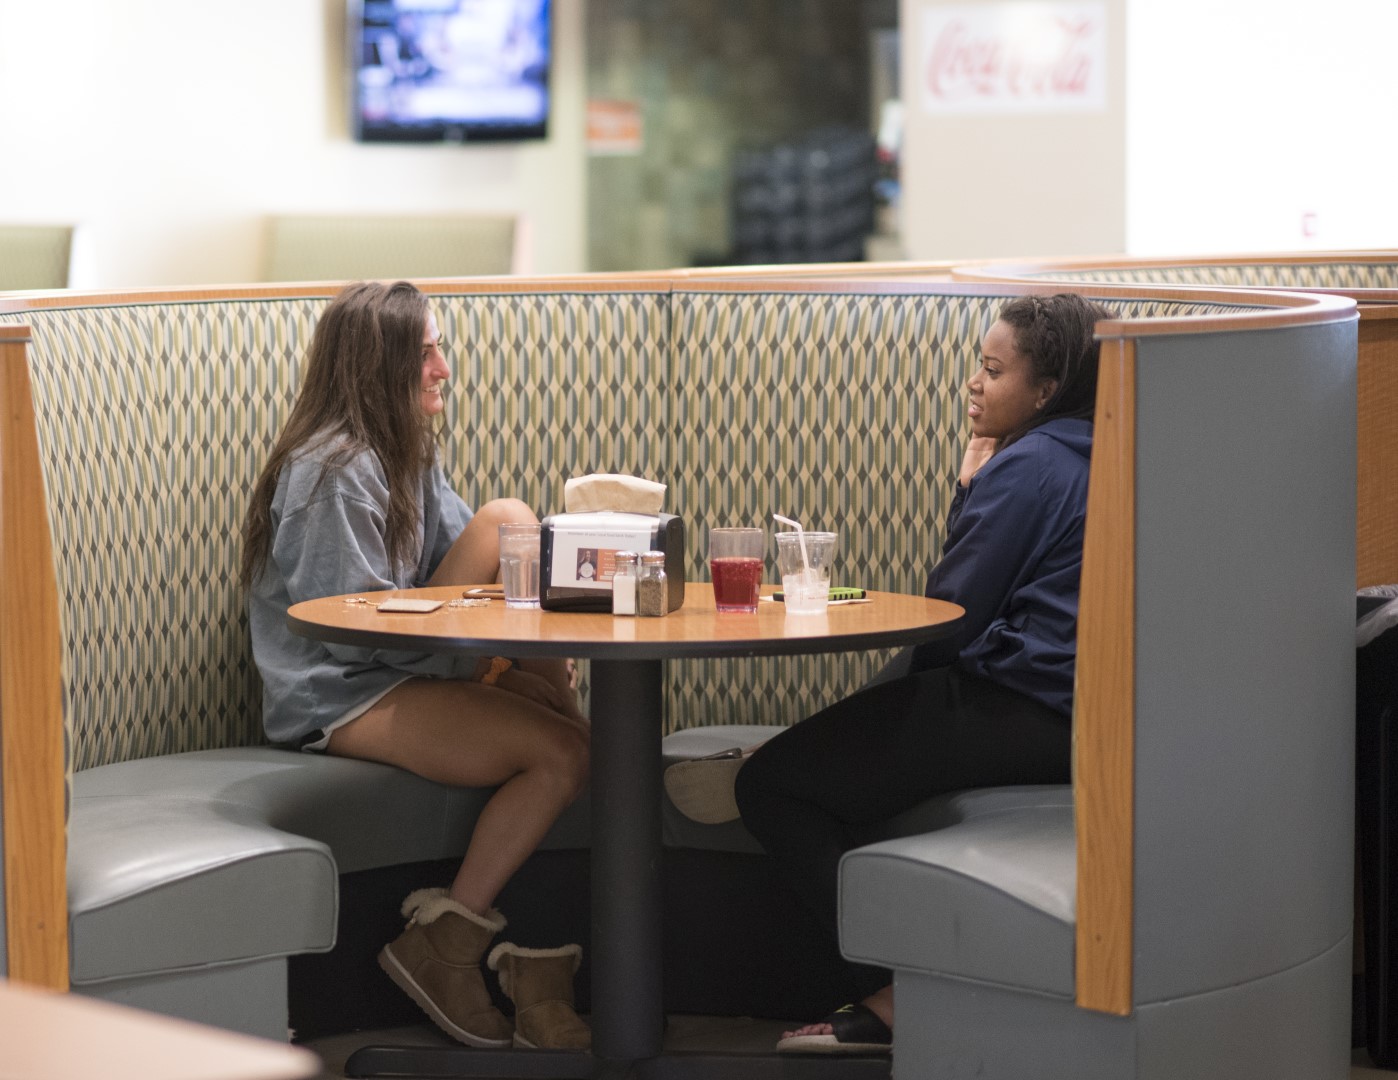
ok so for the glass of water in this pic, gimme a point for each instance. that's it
(519, 564)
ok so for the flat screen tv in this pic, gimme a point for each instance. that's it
(450, 70)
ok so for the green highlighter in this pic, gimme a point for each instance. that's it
(841, 592)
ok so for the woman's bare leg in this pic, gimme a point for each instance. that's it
(471, 735)
(474, 558)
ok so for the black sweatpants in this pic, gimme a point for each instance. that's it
(808, 793)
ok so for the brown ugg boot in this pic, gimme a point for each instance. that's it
(540, 983)
(436, 961)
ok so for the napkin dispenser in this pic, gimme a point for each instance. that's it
(577, 555)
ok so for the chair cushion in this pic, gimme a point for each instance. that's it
(250, 845)
(990, 895)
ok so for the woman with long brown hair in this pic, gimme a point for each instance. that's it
(354, 499)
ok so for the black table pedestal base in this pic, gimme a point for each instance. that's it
(454, 1061)
(437, 1063)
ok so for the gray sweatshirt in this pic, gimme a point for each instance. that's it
(327, 539)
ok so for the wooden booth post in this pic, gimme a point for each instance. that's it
(31, 703)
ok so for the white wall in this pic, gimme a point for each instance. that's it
(1257, 125)
(168, 128)
(1249, 125)
(1010, 183)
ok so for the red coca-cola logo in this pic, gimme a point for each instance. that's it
(1056, 60)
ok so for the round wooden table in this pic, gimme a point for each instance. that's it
(627, 707)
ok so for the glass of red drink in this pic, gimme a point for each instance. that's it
(735, 565)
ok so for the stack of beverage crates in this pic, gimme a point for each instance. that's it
(810, 201)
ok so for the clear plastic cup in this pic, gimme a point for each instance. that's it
(805, 581)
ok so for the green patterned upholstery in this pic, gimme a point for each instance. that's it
(154, 420)
(151, 436)
(846, 410)
(548, 386)
(1278, 275)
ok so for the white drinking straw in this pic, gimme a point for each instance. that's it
(800, 539)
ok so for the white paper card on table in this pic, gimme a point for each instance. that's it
(416, 607)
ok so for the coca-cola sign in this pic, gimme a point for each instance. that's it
(1016, 57)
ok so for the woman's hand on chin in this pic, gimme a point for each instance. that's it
(978, 452)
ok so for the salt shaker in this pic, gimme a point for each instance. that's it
(624, 583)
(652, 588)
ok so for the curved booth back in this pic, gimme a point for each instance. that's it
(844, 397)
(1213, 772)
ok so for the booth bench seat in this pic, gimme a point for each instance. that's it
(252, 841)
(188, 867)
(1001, 861)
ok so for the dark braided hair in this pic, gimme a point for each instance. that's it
(1054, 333)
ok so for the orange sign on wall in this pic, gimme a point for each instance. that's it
(613, 127)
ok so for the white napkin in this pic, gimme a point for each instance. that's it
(612, 491)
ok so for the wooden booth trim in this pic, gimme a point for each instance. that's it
(31, 700)
(582, 283)
(1257, 309)
(1045, 270)
(924, 271)
(1377, 487)
(1104, 712)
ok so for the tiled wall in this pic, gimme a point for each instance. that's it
(710, 77)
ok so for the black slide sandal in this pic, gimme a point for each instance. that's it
(855, 1029)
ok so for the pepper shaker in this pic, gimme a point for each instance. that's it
(652, 588)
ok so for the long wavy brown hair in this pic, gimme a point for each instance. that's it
(362, 392)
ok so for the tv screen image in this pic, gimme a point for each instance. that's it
(450, 70)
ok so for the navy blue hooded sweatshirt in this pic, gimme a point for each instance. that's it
(1013, 559)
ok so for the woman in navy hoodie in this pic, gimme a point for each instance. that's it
(992, 704)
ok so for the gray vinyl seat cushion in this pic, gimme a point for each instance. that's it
(990, 895)
(251, 843)
(933, 814)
